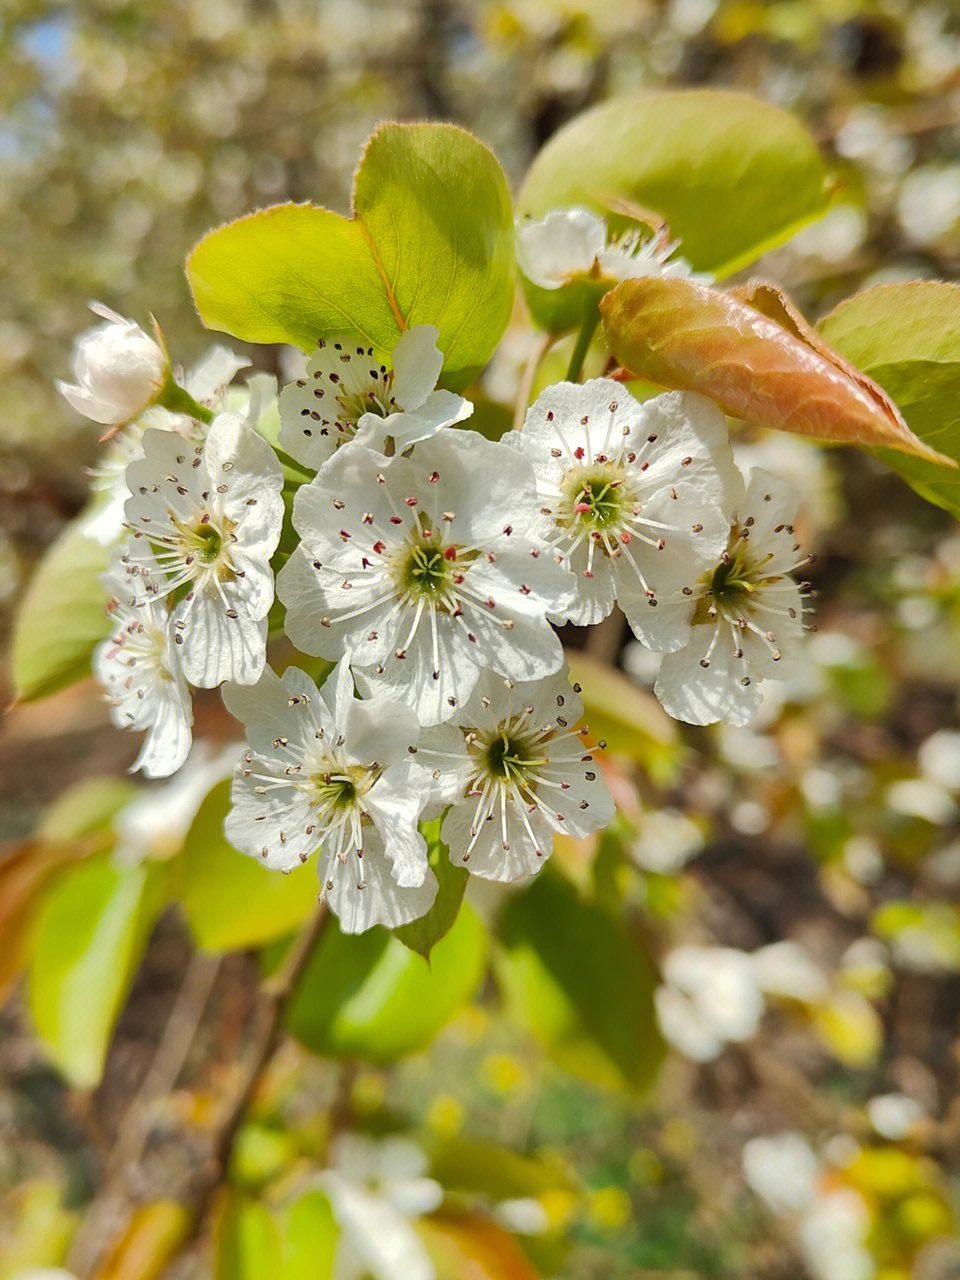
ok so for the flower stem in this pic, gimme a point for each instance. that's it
(588, 327)
(178, 400)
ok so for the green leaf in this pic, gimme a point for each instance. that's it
(229, 899)
(422, 935)
(61, 618)
(436, 207)
(309, 1242)
(87, 806)
(907, 338)
(629, 720)
(91, 933)
(251, 1242)
(368, 995)
(291, 273)
(430, 242)
(571, 973)
(731, 175)
(246, 1240)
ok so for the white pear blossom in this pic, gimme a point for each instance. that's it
(376, 1188)
(154, 825)
(632, 492)
(206, 382)
(710, 996)
(119, 370)
(139, 665)
(425, 570)
(515, 768)
(209, 517)
(348, 393)
(326, 773)
(748, 612)
(782, 1170)
(573, 242)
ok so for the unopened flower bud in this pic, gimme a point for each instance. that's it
(119, 370)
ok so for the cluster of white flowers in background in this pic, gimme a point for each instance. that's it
(429, 566)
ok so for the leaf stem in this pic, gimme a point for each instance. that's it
(588, 327)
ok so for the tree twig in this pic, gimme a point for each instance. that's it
(526, 382)
(109, 1215)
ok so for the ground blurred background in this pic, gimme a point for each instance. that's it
(127, 129)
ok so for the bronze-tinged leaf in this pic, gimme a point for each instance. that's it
(149, 1242)
(759, 362)
(474, 1249)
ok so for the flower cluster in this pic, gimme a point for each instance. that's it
(429, 566)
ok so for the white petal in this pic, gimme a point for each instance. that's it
(215, 369)
(311, 601)
(271, 828)
(441, 409)
(564, 243)
(417, 362)
(381, 900)
(215, 647)
(380, 1238)
(396, 803)
(698, 695)
(93, 407)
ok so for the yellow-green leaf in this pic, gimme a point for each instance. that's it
(430, 241)
(731, 176)
(368, 995)
(90, 935)
(229, 899)
(907, 337)
(62, 617)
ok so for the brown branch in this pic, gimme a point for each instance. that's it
(108, 1217)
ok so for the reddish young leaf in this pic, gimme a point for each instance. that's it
(759, 362)
(26, 866)
(473, 1249)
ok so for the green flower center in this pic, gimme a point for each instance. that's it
(342, 787)
(208, 543)
(596, 499)
(731, 581)
(425, 569)
(510, 757)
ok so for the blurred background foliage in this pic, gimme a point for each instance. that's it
(127, 129)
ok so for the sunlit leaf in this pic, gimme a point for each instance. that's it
(251, 1241)
(731, 176)
(436, 207)
(368, 995)
(689, 337)
(422, 935)
(571, 973)
(430, 242)
(62, 617)
(229, 899)
(465, 1164)
(90, 935)
(907, 337)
